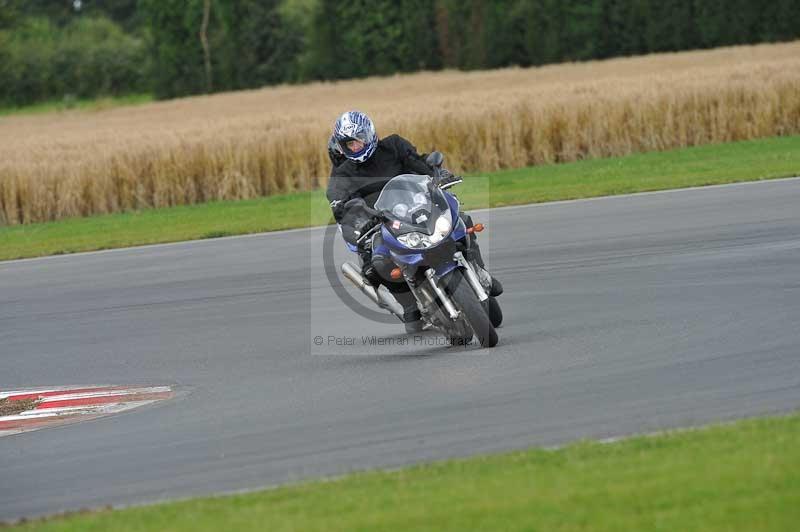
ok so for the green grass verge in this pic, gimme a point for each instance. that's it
(705, 165)
(68, 104)
(743, 476)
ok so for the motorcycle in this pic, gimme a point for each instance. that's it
(429, 245)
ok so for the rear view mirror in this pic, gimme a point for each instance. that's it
(435, 159)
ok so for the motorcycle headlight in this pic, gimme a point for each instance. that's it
(415, 240)
(442, 228)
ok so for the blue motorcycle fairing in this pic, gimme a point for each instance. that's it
(460, 230)
(445, 268)
(457, 233)
(383, 249)
(403, 255)
(409, 260)
(412, 257)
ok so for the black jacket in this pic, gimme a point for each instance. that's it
(393, 156)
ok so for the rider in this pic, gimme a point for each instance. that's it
(335, 154)
(369, 163)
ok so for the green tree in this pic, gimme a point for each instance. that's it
(175, 47)
(86, 58)
(53, 47)
(58, 12)
(262, 44)
(123, 12)
(580, 29)
(368, 37)
(505, 33)
(546, 24)
(251, 43)
(10, 14)
(781, 21)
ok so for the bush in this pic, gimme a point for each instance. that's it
(89, 57)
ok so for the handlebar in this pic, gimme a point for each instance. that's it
(363, 237)
(450, 184)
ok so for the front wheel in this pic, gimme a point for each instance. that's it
(465, 299)
(494, 311)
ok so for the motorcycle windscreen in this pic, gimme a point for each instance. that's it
(413, 203)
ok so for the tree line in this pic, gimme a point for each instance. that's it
(50, 49)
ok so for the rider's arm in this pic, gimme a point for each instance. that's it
(337, 193)
(413, 163)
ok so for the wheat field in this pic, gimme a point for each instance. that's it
(273, 140)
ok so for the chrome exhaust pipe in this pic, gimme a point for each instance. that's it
(382, 298)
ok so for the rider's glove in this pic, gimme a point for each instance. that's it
(447, 178)
(357, 219)
(362, 225)
(354, 227)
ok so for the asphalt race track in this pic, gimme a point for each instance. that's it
(623, 315)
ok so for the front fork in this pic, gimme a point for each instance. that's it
(472, 277)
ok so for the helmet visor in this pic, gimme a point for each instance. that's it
(354, 144)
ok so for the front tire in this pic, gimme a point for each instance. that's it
(494, 311)
(465, 299)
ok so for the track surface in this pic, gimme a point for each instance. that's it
(623, 315)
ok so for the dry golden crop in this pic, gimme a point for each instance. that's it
(273, 140)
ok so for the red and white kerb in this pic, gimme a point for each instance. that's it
(68, 404)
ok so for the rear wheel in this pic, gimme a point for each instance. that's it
(465, 299)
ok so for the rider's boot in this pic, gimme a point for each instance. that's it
(412, 319)
(495, 286)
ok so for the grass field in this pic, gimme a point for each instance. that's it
(257, 143)
(743, 476)
(706, 165)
